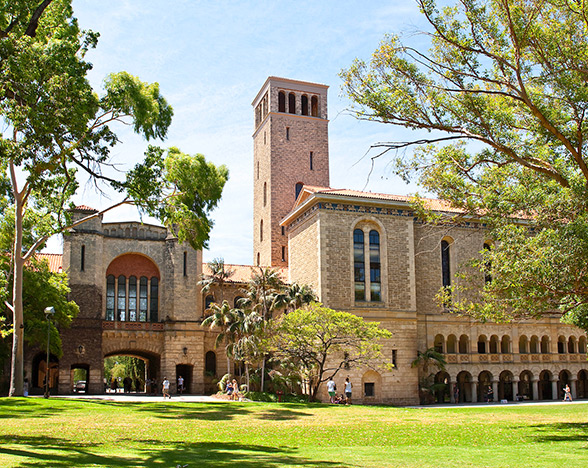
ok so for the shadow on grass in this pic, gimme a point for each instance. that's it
(47, 451)
(16, 407)
(561, 432)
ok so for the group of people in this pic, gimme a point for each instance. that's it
(232, 390)
(165, 387)
(343, 399)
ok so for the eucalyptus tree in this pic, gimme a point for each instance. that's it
(54, 124)
(499, 88)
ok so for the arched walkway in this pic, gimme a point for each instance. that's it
(545, 387)
(152, 378)
(485, 390)
(37, 383)
(582, 384)
(464, 383)
(505, 386)
(441, 388)
(526, 386)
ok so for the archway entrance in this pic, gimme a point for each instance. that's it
(485, 386)
(564, 379)
(80, 378)
(505, 386)
(545, 392)
(184, 370)
(582, 384)
(525, 386)
(464, 383)
(441, 388)
(132, 371)
(37, 383)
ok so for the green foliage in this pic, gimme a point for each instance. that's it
(320, 342)
(119, 367)
(502, 92)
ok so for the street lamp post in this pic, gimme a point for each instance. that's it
(49, 312)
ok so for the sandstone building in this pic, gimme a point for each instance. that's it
(364, 253)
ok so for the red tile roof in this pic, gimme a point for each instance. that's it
(85, 208)
(55, 261)
(243, 273)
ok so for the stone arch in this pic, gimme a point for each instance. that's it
(442, 380)
(505, 345)
(439, 343)
(464, 384)
(525, 387)
(505, 386)
(572, 345)
(494, 344)
(451, 344)
(39, 371)
(523, 344)
(314, 106)
(485, 379)
(582, 384)
(292, 103)
(133, 263)
(582, 345)
(149, 352)
(371, 385)
(281, 101)
(561, 344)
(482, 344)
(545, 388)
(534, 345)
(304, 104)
(544, 344)
(464, 342)
(564, 378)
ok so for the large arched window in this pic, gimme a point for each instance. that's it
(281, 101)
(210, 364)
(132, 289)
(375, 270)
(523, 345)
(487, 265)
(292, 103)
(359, 265)
(446, 263)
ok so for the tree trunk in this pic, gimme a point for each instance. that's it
(247, 374)
(17, 365)
(263, 374)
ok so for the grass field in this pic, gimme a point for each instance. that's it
(81, 433)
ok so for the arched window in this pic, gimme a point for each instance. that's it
(463, 344)
(281, 101)
(487, 265)
(299, 186)
(304, 104)
(451, 344)
(493, 344)
(208, 300)
(153, 303)
(482, 344)
(582, 345)
(571, 345)
(438, 344)
(544, 344)
(121, 303)
(359, 265)
(534, 346)
(292, 103)
(523, 345)
(264, 193)
(110, 297)
(561, 345)
(143, 304)
(132, 299)
(210, 364)
(258, 262)
(261, 231)
(375, 280)
(445, 263)
(505, 344)
(314, 108)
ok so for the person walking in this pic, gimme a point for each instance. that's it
(348, 387)
(165, 388)
(567, 393)
(331, 388)
(180, 384)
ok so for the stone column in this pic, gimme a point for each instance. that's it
(450, 384)
(494, 390)
(573, 388)
(474, 389)
(554, 395)
(515, 388)
(535, 386)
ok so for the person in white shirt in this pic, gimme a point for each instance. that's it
(165, 387)
(331, 388)
(180, 384)
(348, 387)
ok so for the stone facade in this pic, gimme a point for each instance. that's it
(363, 253)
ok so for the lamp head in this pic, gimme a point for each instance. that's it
(49, 311)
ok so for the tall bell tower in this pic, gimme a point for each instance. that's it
(290, 149)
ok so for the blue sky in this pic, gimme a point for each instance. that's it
(211, 58)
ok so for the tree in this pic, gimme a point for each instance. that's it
(429, 358)
(503, 92)
(218, 276)
(321, 342)
(54, 125)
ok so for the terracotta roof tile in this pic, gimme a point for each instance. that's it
(243, 273)
(55, 261)
(84, 208)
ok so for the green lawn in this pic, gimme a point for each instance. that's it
(80, 433)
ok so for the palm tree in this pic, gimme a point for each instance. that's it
(298, 295)
(430, 358)
(222, 318)
(219, 275)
